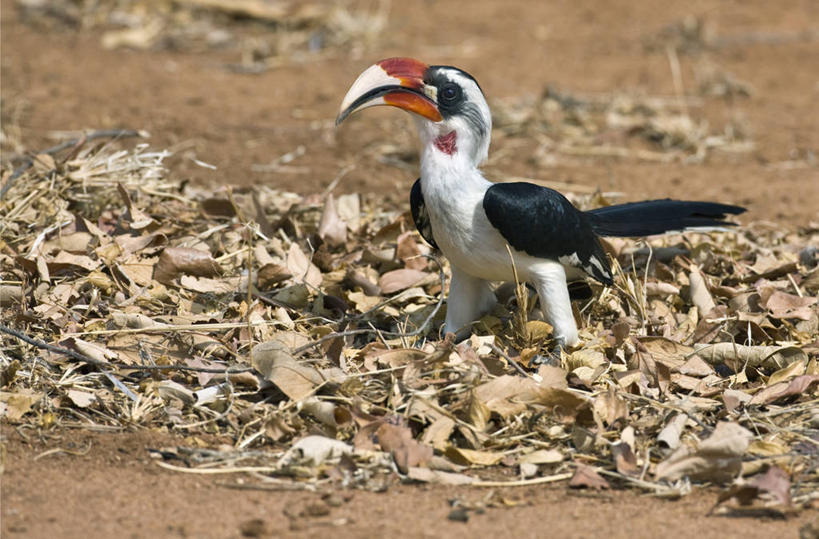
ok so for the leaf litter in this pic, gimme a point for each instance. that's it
(307, 339)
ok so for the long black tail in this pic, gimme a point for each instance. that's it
(659, 216)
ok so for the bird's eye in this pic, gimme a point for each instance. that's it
(450, 92)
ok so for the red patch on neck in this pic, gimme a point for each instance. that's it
(446, 143)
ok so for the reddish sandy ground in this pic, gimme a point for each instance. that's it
(116, 490)
(63, 80)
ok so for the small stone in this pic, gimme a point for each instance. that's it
(528, 469)
(254, 527)
(317, 510)
(333, 500)
(459, 515)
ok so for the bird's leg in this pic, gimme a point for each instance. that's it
(549, 278)
(469, 298)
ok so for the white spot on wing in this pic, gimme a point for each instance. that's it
(596, 263)
(571, 260)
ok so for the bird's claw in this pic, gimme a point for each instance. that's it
(553, 358)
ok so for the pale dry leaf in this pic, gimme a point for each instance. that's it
(301, 268)
(406, 451)
(95, 351)
(409, 251)
(798, 386)
(134, 321)
(426, 475)
(168, 389)
(205, 285)
(587, 477)
(349, 209)
(327, 413)
(65, 260)
(177, 261)
(314, 450)
(19, 403)
(438, 433)
(717, 458)
(273, 361)
(699, 294)
(542, 456)
(10, 294)
(771, 488)
(734, 398)
(401, 279)
(769, 357)
(81, 399)
(471, 457)
(784, 306)
(271, 273)
(787, 373)
(332, 228)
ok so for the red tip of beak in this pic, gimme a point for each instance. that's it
(409, 70)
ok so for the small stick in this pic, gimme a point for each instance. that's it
(523, 482)
(217, 471)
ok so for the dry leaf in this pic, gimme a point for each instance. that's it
(301, 268)
(700, 296)
(425, 475)
(542, 456)
(205, 285)
(771, 488)
(409, 252)
(81, 399)
(587, 477)
(401, 279)
(406, 451)
(315, 450)
(176, 261)
(797, 386)
(273, 361)
(438, 433)
(470, 457)
(332, 227)
(624, 459)
(717, 458)
(19, 403)
(327, 413)
(93, 350)
(782, 305)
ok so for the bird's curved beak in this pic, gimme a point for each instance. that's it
(398, 82)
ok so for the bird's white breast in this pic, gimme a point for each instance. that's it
(453, 194)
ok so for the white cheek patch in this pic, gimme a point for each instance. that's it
(431, 92)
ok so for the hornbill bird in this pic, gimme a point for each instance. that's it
(472, 220)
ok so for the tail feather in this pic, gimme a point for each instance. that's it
(659, 216)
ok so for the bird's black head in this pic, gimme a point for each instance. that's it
(453, 114)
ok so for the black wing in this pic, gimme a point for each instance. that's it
(543, 223)
(419, 213)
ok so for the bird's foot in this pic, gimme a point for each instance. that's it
(553, 358)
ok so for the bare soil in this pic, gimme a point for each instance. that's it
(63, 80)
(112, 488)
